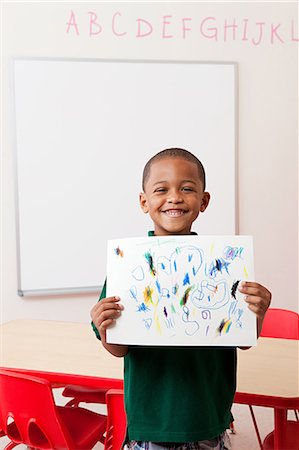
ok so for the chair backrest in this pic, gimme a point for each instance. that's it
(28, 406)
(117, 422)
(281, 323)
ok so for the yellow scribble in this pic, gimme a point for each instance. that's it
(147, 295)
(157, 322)
(245, 272)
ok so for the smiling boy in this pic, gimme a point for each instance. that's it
(176, 397)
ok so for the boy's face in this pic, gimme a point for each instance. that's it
(173, 196)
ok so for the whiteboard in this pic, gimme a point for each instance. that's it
(84, 131)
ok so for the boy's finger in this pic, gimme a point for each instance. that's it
(252, 288)
(106, 324)
(113, 299)
(108, 303)
(113, 306)
(256, 304)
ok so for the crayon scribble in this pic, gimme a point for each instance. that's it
(147, 323)
(142, 308)
(119, 252)
(192, 325)
(224, 326)
(175, 288)
(217, 267)
(186, 279)
(232, 252)
(147, 295)
(185, 296)
(234, 288)
(150, 262)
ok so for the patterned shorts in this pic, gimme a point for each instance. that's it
(221, 442)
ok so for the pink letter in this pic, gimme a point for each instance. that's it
(293, 37)
(113, 25)
(165, 22)
(92, 22)
(150, 28)
(273, 31)
(244, 37)
(233, 26)
(213, 36)
(184, 27)
(261, 33)
(72, 22)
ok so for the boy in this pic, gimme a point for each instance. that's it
(177, 397)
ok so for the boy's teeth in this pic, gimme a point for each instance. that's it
(174, 212)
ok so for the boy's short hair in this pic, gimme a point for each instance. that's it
(174, 153)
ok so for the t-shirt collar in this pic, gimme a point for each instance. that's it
(152, 233)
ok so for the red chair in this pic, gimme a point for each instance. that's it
(84, 394)
(281, 324)
(117, 422)
(30, 416)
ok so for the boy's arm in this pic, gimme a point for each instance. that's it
(258, 299)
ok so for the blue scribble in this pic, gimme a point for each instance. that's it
(233, 252)
(186, 279)
(158, 286)
(148, 323)
(165, 293)
(175, 288)
(234, 311)
(142, 307)
(163, 265)
(192, 325)
(217, 267)
(133, 292)
(138, 273)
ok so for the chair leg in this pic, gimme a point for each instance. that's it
(72, 402)
(232, 428)
(10, 445)
(256, 427)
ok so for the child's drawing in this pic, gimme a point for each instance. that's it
(181, 290)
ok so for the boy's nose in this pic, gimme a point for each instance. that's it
(174, 197)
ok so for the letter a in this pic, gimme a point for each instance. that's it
(72, 23)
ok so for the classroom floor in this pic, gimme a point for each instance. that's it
(244, 439)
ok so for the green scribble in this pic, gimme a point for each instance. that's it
(185, 296)
(150, 262)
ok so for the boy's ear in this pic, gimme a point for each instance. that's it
(143, 202)
(205, 201)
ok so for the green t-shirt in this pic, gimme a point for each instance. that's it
(178, 394)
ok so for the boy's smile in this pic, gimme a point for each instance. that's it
(173, 195)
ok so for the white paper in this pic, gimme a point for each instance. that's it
(181, 290)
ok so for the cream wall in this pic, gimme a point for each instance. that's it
(267, 135)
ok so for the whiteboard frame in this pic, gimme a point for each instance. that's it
(96, 289)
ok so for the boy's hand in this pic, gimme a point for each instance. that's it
(105, 313)
(258, 299)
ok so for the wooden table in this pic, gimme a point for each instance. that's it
(267, 374)
(56, 347)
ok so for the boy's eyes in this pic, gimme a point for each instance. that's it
(164, 189)
(187, 188)
(160, 189)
